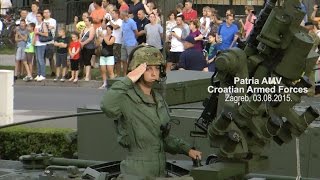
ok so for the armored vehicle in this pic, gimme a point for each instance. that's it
(253, 124)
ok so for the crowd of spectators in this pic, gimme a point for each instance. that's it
(107, 34)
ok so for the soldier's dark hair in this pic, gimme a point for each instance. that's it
(22, 20)
(99, 2)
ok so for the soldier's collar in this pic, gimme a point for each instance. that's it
(144, 97)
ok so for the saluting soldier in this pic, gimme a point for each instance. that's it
(143, 117)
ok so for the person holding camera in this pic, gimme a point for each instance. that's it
(142, 117)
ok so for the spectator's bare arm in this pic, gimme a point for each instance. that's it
(198, 38)
(34, 40)
(148, 10)
(314, 13)
(17, 37)
(176, 36)
(45, 31)
(55, 43)
(91, 36)
(75, 22)
(218, 38)
(115, 26)
(70, 52)
(136, 33)
(63, 45)
(235, 39)
(141, 33)
(218, 21)
(109, 41)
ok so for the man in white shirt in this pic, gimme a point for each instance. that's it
(31, 17)
(116, 23)
(52, 26)
(23, 15)
(178, 34)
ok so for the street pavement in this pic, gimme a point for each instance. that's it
(7, 60)
(48, 99)
(40, 102)
(55, 98)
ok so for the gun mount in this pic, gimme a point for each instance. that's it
(266, 81)
(240, 128)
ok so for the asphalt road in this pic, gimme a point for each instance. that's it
(43, 98)
(38, 102)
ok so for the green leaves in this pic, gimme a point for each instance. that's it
(18, 141)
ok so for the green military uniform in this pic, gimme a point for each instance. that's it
(139, 120)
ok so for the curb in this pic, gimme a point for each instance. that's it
(49, 82)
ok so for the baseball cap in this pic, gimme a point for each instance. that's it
(190, 39)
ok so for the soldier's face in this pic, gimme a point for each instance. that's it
(151, 74)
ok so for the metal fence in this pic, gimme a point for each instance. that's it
(65, 10)
(231, 2)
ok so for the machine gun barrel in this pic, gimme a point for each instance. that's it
(74, 162)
